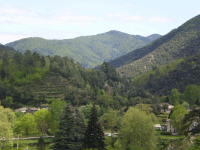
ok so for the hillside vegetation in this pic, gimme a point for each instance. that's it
(31, 79)
(89, 51)
(172, 46)
(177, 74)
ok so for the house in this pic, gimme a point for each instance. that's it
(27, 110)
(32, 110)
(44, 106)
(23, 109)
(170, 107)
(157, 126)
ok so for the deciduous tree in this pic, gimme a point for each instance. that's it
(137, 130)
(42, 118)
(178, 113)
(7, 120)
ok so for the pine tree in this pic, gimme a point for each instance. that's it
(94, 136)
(80, 128)
(69, 135)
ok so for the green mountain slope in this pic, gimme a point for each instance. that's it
(90, 51)
(178, 74)
(4, 49)
(174, 45)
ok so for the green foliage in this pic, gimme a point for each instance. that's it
(174, 97)
(178, 113)
(27, 124)
(71, 128)
(7, 102)
(186, 105)
(109, 119)
(43, 120)
(196, 144)
(137, 130)
(107, 46)
(94, 136)
(192, 93)
(165, 133)
(86, 110)
(56, 108)
(7, 121)
(41, 144)
(19, 115)
(174, 45)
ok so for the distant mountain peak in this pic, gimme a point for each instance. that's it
(116, 32)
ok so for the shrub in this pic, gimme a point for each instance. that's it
(165, 133)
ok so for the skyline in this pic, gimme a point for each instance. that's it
(66, 19)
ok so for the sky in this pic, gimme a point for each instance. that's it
(66, 19)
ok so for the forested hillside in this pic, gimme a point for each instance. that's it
(31, 79)
(89, 51)
(172, 46)
(177, 74)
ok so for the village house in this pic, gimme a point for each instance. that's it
(157, 126)
(170, 107)
(44, 106)
(32, 110)
(27, 110)
(23, 109)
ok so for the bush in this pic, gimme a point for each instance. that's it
(165, 133)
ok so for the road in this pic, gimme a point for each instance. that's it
(30, 138)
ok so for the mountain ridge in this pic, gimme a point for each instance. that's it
(90, 51)
(174, 45)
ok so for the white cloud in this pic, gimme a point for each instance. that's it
(118, 14)
(133, 18)
(128, 4)
(158, 19)
(10, 9)
(110, 15)
(69, 17)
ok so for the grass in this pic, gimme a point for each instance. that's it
(171, 136)
(31, 144)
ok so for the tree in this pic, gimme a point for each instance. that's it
(94, 136)
(56, 108)
(192, 93)
(165, 106)
(189, 119)
(178, 113)
(109, 119)
(42, 118)
(41, 144)
(185, 104)
(144, 107)
(196, 144)
(7, 102)
(7, 121)
(80, 128)
(70, 134)
(174, 99)
(137, 130)
(27, 123)
(86, 110)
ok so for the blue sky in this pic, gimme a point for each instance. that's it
(64, 19)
